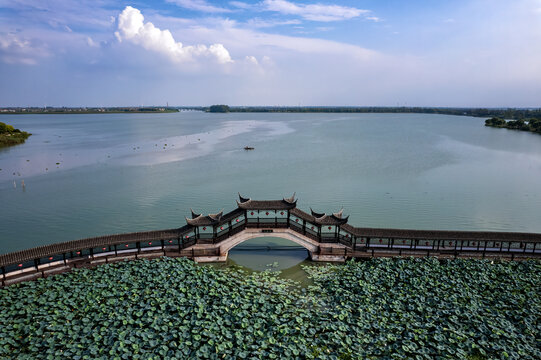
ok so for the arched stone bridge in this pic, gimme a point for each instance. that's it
(208, 238)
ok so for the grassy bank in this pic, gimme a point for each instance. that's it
(11, 136)
(382, 308)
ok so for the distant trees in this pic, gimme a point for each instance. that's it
(219, 109)
(495, 122)
(531, 124)
(535, 125)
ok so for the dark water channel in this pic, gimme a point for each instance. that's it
(274, 254)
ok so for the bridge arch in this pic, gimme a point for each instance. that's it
(287, 234)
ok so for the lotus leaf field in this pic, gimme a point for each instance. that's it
(380, 308)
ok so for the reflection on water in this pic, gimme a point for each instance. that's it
(275, 254)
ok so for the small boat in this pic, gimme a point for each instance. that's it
(249, 148)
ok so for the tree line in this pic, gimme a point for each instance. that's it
(509, 113)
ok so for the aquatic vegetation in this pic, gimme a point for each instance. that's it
(173, 308)
(11, 136)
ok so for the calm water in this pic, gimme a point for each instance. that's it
(89, 175)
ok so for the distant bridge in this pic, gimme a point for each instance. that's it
(208, 238)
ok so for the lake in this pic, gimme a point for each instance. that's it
(90, 175)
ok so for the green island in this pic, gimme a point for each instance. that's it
(11, 136)
(400, 308)
(532, 124)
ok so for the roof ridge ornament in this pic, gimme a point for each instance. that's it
(316, 214)
(243, 199)
(290, 200)
(194, 214)
(217, 216)
(339, 214)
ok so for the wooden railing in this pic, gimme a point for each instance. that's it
(358, 242)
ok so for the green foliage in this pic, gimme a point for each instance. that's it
(11, 136)
(496, 122)
(477, 112)
(533, 124)
(219, 109)
(382, 308)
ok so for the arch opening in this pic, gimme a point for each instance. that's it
(268, 253)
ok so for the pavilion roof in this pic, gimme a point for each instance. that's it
(332, 219)
(284, 204)
(202, 220)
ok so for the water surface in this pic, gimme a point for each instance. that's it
(89, 175)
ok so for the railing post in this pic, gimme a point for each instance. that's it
(138, 246)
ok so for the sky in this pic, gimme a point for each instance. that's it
(460, 53)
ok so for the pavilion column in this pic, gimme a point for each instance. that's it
(213, 234)
(288, 213)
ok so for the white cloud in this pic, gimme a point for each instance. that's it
(91, 42)
(241, 5)
(16, 50)
(314, 12)
(199, 5)
(132, 28)
(260, 23)
(252, 60)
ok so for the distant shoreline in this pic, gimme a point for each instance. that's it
(507, 113)
(68, 111)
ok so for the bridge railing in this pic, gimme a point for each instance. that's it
(92, 250)
(510, 248)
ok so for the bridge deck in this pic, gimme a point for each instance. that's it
(325, 241)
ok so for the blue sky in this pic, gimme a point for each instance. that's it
(270, 52)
